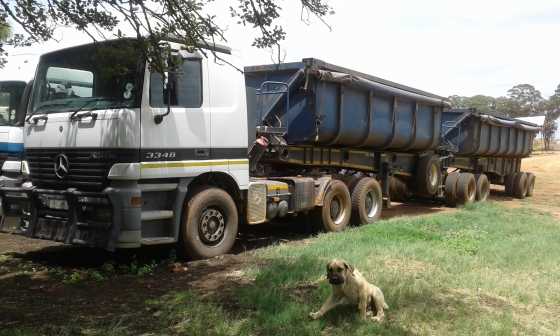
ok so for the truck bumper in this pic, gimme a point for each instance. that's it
(11, 203)
(109, 219)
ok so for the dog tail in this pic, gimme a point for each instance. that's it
(385, 306)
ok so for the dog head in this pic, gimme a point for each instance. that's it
(338, 271)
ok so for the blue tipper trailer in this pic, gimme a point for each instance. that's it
(326, 118)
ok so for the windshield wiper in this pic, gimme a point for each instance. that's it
(40, 107)
(86, 104)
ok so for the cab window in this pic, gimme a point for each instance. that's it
(185, 86)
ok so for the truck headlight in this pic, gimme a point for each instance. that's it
(12, 167)
(25, 168)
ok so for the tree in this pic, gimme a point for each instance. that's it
(529, 100)
(152, 21)
(552, 114)
(508, 107)
(5, 33)
(483, 104)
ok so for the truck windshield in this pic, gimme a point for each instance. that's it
(10, 97)
(98, 76)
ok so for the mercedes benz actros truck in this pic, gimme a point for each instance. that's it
(121, 156)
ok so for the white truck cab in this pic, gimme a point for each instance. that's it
(113, 148)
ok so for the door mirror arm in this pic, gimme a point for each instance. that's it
(159, 118)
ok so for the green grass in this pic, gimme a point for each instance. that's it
(483, 270)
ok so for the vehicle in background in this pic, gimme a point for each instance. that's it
(13, 105)
(121, 156)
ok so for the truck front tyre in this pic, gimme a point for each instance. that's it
(466, 189)
(335, 213)
(482, 187)
(530, 184)
(210, 224)
(367, 201)
(520, 185)
(428, 175)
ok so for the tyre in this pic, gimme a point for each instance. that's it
(451, 189)
(466, 189)
(367, 201)
(531, 178)
(520, 185)
(335, 213)
(482, 187)
(508, 184)
(210, 224)
(428, 175)
(398, 190)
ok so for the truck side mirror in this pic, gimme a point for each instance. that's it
(172, 61)
(167, 87)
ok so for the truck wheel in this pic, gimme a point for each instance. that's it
(367, 201)
(530, 184)
(520, 185)
(482, 187)
(398, 190)
(508, 184)
(466, 189)
(451, 189)
(428, 175)
(335, 213)
(210, 224)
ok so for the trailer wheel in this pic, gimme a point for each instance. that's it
(398, 190)
(482, 187)
(520, 185)
(451, 189)
(367, 201)
(210, 224)
(335, 213)
(530, 184)
(508, 184)
(466, 189)
(428, 175)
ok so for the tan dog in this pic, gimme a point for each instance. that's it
(350, 287)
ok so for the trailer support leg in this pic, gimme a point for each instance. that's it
(385, 173)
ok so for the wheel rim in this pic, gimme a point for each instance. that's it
(471, 190)
(433, 176)
(371, 204)
(212, 226)
(531, 185)
(484, 190)
(337, 211)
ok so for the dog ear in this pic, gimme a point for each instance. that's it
(348, 267)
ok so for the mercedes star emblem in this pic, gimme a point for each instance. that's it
(61, 166)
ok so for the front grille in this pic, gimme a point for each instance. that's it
(88, 167)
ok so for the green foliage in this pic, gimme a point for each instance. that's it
(527, 98)
(151, 21)
(483, 104)
(522, 100)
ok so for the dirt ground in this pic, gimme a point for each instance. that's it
(35, 274)
(546, 197)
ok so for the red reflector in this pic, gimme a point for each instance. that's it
(136, 201)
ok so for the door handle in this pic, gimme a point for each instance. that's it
(202, 152)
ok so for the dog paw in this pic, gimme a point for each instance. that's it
(313, 315)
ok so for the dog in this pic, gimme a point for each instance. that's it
(350, 287)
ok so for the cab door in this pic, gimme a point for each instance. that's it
(179, 145)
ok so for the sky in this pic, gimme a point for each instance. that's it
(441, 46)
